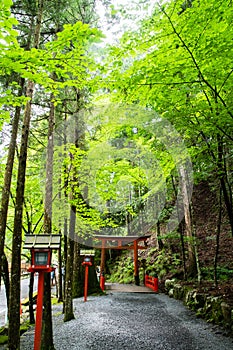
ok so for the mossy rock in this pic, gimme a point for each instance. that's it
(189, 299)
(171, 293)
(178, 292)
(169, 284)
(200, 300)
(213, 311)
(217, 310)
(226, 312)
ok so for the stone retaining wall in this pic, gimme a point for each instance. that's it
(213, 309)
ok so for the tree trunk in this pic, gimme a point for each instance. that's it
(68, 311)
(14, 304)
(181, 232)
(65, 261)
(77, 284)
(7, 177)
(60, 278)
(31, 311)
(159, 237)
(218, 238)
(60, 266)
(6, 279)
(49, 170)
(188, 223)
(227, 195)
(47, 328)
(196, 250)
(10, 162)
(79, 141)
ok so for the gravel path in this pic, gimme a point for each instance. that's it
(131, 321)
(134, 321)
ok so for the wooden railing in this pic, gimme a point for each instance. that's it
(152, 282)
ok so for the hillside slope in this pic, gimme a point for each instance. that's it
(167, 263)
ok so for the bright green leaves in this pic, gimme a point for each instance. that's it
(8, 98)
(7, 33)
(77, 35)
(66, 56)
(179, 63)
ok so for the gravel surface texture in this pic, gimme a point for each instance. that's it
(134, 321)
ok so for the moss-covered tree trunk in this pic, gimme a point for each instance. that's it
(192, 264)
(77, 283)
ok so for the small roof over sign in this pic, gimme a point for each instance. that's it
(42, 241)
(87, 252)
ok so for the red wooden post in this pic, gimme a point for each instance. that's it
(136, 274)
(86, 283)
(146, 280)
(102, 281)
(87, 262)
(39, 311)
(102, 266)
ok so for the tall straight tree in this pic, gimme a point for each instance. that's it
(68, 303)
(47, 329)
(14, 305)
(8, 177)
(10, 157)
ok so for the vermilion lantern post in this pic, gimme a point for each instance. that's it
(41, 256)
(87, 262)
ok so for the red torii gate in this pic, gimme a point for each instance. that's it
(121, 242)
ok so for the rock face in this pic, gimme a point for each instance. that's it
(211, 308)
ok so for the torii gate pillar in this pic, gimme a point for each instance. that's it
(136, 270)
(102, 266)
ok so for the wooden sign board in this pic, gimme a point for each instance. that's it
(87, 252)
